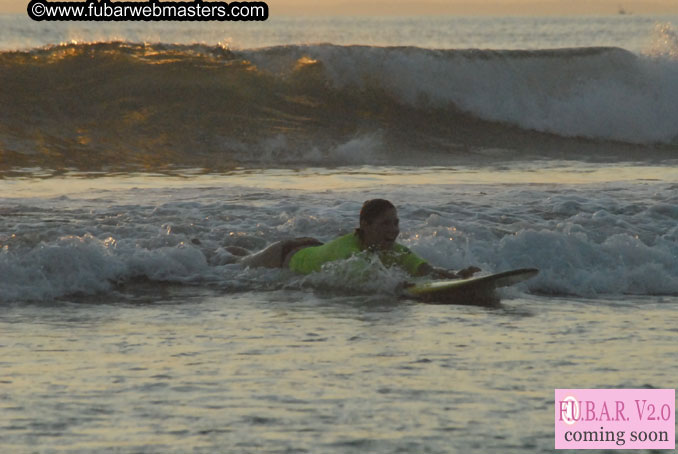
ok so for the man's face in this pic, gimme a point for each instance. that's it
(382, 232)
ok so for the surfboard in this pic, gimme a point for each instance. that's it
(474, 290)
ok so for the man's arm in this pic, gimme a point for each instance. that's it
(441, 273)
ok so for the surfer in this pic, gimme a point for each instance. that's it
(378, 230)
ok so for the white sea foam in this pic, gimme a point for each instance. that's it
(608, 94)
(586, 240)
(278, 150)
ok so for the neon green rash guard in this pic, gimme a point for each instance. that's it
(310, 259)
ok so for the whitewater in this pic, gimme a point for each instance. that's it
(132, 156)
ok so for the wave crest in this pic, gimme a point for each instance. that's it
(121, 103)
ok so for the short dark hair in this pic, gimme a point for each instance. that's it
(373, 208)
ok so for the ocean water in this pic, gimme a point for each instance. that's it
(132, 155)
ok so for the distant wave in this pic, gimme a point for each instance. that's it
(125, 104)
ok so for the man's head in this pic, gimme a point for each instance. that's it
(379, 224)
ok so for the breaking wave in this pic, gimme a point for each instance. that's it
(121, 104)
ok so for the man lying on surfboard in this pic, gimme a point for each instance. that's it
(379, 228)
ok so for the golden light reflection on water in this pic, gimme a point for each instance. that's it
(227, 370)
(329, 179)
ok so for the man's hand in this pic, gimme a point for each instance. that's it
(441, 273)
(467, 272)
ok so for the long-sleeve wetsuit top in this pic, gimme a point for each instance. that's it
(310, 259)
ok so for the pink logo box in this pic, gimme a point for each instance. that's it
(615, 418)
